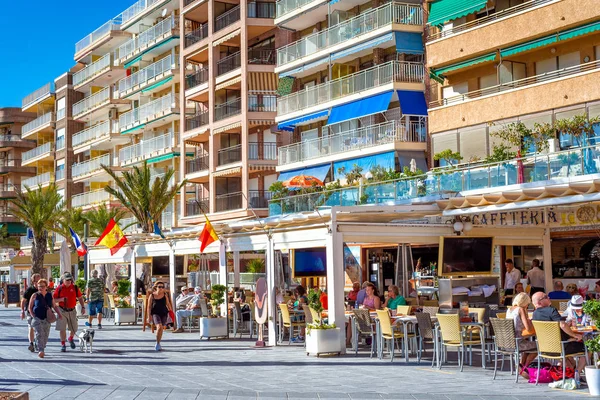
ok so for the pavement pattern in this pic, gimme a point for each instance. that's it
(124, 365)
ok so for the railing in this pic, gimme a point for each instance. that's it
(91, 102)
(229, 63)
(60, 174)
(148, 110)
(34, 181)
(90, 166)
(146, 147)
(228, 109)
(260, 9)
(433, 32)
(36, 152)
(196, 121)
(521, 83)
(262, 103)
(112, 25)
(90, 198)
(393, 71)
(144, 39)
(391, 13)
(37, 95)
(259, 198)
(197, 78)
(230, 155)
(60, 114)
(13, 138)
(188, 2)
(166, 219)
(10, 162)
(92, 70)
(138, 8)
(355, 139)
(262, 151)
(130, 225)
(197, 164)
(231, 201)
(261, 56)
(37, 123)
(92, 133)
(197, 206)
(145, 74)
(287, 6)
(196, 35)
(60, 143)
(227, 18)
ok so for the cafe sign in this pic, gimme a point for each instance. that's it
(565, 217)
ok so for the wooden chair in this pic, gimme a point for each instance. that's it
(111, 305)
(287, 323)
(454, 336)
(411, 301)
(501, 315)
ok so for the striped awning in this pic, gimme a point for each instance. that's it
(226, 128)
(227, 172)
(264, 81)
(227, 37)
(258, 167)
(258, 122)
(228, 83)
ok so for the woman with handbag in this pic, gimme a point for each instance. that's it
(40, 307)
(159, 308)
(523, 330)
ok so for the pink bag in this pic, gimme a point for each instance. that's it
(545, 376)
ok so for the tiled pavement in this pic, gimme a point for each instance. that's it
(125, 366)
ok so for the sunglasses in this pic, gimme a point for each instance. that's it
(160, 287)
(68, 280)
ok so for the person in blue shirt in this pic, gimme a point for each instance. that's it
(559, 293)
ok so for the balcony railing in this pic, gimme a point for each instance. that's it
(228, 109)
(198, 120)
(37, 123)
(231, 201)
(197, 206)
(196, 35)
(60, 174)
(227, 18)
(261, 56)
(91, 133)
(92, 70)
(521, 83)
(91, 102)
(262, 103)
(230, 155)
(197, 164)
(10, 162)
(146, 38)
(259, 198)
(13, 138)
(141, 77)
(261, 9)
(197, 78)
(137, 9)
(262, 151)
(146, 147)
(287, 6)
(36, 96)
(229, 63)
(90, 166)
(130, 225)
(38, 151)
(112, 25)
(35, 181)
(90, 198)
(393, 71)
(355, 139)
(148, 111)
(391, 13)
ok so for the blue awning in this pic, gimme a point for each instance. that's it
(360, 108)
(412, 103)
(291, 124)
(363, 46)
(303, 68)
(385, 160)
(320, 172)
(409, 42)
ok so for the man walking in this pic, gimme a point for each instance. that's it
(25, 308)
(95, 297)
(192, 309)
(67, 294)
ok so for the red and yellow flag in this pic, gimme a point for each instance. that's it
(207, 236)
(112, 237)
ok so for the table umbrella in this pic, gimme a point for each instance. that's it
(302, 181)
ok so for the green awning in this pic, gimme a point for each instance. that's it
(436, 78)
(15, 228)
(170, 78)
(533, 44)
(582, 30)
(465, 64)
(448, 10)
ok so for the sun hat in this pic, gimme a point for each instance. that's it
(576, 302)
(184, 288)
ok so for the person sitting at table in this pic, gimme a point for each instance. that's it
(114, 287)
(559, 292)
(192, 308)
(574, 313)
(300, 299)
(354, 292)
(360, 296)
(394, 299)
(518, 289)
(371, 301)
(572, 289)
(183, 298)
(518, 313)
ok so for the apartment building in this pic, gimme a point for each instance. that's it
(227, 69)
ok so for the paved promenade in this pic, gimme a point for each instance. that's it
(125, 366)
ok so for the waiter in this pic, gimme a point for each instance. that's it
(535, 277)
(511, 278)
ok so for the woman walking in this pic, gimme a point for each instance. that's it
(159, 306)
(39, 304)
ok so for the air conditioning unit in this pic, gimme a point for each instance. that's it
(112, 113)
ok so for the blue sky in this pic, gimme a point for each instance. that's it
(38, 40)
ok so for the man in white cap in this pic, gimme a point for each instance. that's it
(183, 298)
(192, 309)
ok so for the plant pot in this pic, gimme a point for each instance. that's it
(125, 315)
(213, 327)
(592, 376)
(321, 341)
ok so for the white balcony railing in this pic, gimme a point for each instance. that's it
(36, 152)
(92, 70)
(146, 38)
(393, 71)
(34, 181)
(391, 13)
(37, 123)
(287, 6)
(90, 166)
(91, 133)
(129, 225)
(91, 102)
(138, 8)
(40, 93)
(90, 198)
(146, 147)
(148, 111)
(111, 25)
(151, 71)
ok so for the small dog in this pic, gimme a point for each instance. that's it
(86, 340)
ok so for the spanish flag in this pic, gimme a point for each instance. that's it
(112, 237)
(207, 236)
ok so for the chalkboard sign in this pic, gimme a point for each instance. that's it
(13, 294)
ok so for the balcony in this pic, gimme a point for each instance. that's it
(299, 15)
(15, 141)
(230, 155)
(91, 198)
(197, 206)
(93, 70)
(139, 9)
(196, 79)
(91, 40)
(227, 18)
(229, 109)
(43, 123)
(90, 103)
(261, 9)
(196, 35)
(197, 164)
(261, 56)
(148, 39)
(13, 165)
(380, 76)
(229, 63)
(228, 202)
(37, 154)
(38, 96)
(148, 112)
(196, 121)
(362, 27)
(266, 151)
(86, 168)
(259, 198)
(94, 134)
(150, 75)
(36, 181)
(262, 103)
(147, 148)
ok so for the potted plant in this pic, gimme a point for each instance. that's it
(216, 326)
(321, 338)
(124, 311)
(592, 372)
(256, 266)
(81, 284)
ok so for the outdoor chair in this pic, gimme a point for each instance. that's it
(431, 303)
(239, 319)
(364, 328)
(107, 312)
(562, 306)
(404, 310)
(430, 310)
(111, 305)
(388, 331)
(506, 342)
(454, 336)
(287, 323)
(308, 317)
(426, 335)
(411, 301)
(501, 315)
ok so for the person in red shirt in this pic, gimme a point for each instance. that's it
(66, 295)
(51, 284)
(354, 292)
(323, 300)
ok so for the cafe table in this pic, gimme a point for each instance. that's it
(588, 332)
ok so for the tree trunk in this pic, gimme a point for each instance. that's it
(38, 249)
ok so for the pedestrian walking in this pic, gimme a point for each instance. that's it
(67, 295)
(94, 293)
(159, 306)
(39, 304)
(25, 308)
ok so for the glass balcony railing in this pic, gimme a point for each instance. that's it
(356, 139)
(92, 133)
(112, 25)
(91, 102)
(227, 18)
(229, 63)
(196, 121)
(260, 9)
(90, 166)
(13, 138)
(38, 151)
(228, 109)
(379, 75)
(148, 111)
(147, 38)
(91, 70)
(391, 13)
(37, 123)
(287, 6)
(146, 148)
(137, 9)
(60, 174)
(35, 181)
(36, 96)
(129, 225)
(227, 202)
(197, 78)
(150, 72)
(197, 206)
(197, 164)
(90, 198)
(230, 155)
(259, 198)
(262, 151)
(196, 35)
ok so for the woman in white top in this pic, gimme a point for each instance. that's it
(518, 313)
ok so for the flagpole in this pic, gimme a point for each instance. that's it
(262, 226)
(206, 218)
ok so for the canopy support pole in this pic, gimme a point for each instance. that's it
(132, 278)
(547, 258)
(223, 274)
(236, 269)
(336, 279)
(172, 272)
(271, 294)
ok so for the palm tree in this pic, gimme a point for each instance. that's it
(99, 218)
(144, 199)
(71, 218)
(39, 209)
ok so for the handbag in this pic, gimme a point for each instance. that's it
(557, 374)
(172, 315)
(528, 332)
(50, 316)
(545, 376)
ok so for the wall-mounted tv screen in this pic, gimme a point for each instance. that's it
(465, 256)
(160, 265)
(310, 262)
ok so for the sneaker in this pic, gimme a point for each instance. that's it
(157, 347)
(99, 326)
(63, 348)
(298, 340)
(41, 354)
(31, 347)
(88, 324)
(178, 330)
(72, 343)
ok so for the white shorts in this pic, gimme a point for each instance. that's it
(68, 320)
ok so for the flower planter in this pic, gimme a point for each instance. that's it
(592, 376)
(322, 341)
(213, 327)
(125, 316)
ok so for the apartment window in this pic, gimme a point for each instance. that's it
(555, 63)
(455, 90)
(569, 60)
(61, 193)
(60, 138)
(60, 109)
(512, 71)
(60, 169)
(449, 26)
(530, 121)
(597, 53)
(545, 66)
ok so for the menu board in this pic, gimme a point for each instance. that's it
(13, 294)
